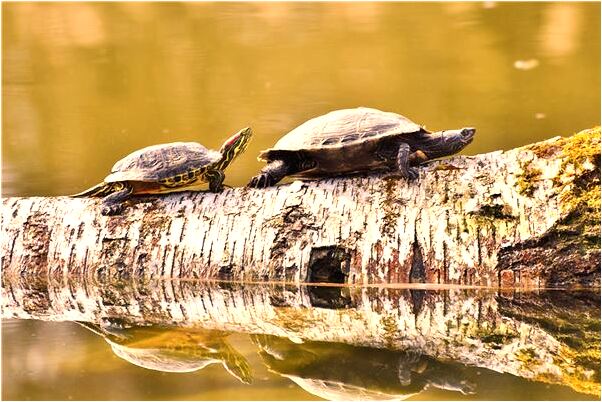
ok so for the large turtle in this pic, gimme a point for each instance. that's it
(166, 168)
(356, 140)
(337, 371)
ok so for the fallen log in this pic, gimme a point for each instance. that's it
(525, 217)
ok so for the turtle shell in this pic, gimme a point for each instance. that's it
(345, 127)
(343, 141)
(173, 349)
(162, 161)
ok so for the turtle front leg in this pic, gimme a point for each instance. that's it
(403, 163)
(113, 204)
(271, 174)
(216, 180)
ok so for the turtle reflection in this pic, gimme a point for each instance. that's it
(337, 371)
(175, 350)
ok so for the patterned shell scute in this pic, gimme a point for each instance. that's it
(347, 126)
(162, 161)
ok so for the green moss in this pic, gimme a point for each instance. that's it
(497, 338)
(391, 331)
(581, 147)
(576, 152)
(527, 356)
(577, 183)
(578, 357)
(527, 181)
(581, 370)
(581, 157)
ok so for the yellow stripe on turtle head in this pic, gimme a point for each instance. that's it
(234, 146)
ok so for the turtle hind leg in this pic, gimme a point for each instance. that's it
(271, 174)
(113, 204)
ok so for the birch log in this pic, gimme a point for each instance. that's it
(524, 217)
(551, 337)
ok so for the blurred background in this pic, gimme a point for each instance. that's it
(84, 84)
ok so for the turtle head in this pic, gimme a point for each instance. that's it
(235, 146)
(448, 142)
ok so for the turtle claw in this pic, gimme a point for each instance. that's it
(113, 204)
(216, 189)
(259, 181)
(412, 173)
(114, 209)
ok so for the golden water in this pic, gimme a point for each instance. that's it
(84, 84)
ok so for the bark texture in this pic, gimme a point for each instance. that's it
(551, 337)
(524, 217)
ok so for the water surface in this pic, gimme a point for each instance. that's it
(84, 84)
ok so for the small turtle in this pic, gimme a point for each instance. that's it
(173, 349)
(356, 140)
(166, 168)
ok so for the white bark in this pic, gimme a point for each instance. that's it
(467, 220)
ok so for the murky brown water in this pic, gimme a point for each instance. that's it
(86, 83)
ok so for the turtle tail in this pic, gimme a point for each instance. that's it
(100, 190)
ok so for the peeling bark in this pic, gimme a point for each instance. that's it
(551, 337)
(524, 217)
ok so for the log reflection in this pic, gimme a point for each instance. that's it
(545, 337)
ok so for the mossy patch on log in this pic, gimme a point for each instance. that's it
(573, 241)
(581, 158)
(527, 181)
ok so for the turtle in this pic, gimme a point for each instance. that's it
(354, 141)
(166, 168)
(173, 349)
(338, 371)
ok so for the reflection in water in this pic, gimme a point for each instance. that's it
(343, 372)
(176, 350)
(560, 31)
(343, 342)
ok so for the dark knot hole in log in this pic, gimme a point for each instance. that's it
(329, 264)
